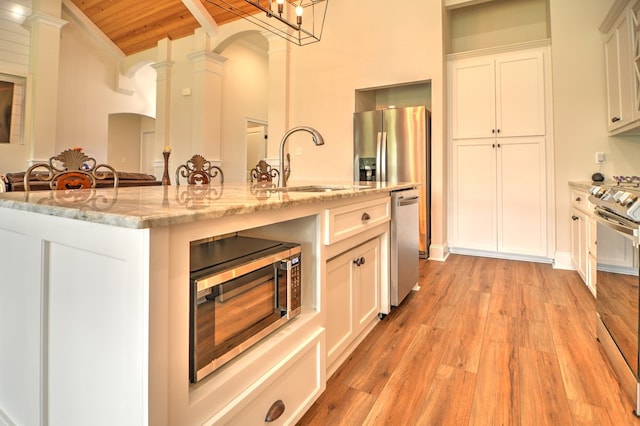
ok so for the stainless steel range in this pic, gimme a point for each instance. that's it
(617, 211)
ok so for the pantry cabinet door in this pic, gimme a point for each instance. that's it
(474, 194)
(473, 98)
(520, 102)
(521, 196)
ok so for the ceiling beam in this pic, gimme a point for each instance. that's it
(202, 15)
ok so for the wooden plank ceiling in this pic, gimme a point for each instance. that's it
(137, 25)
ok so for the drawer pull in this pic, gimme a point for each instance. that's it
(365, 217)
(275, 411)
(578, 199)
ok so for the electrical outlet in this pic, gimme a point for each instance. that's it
(599, 157)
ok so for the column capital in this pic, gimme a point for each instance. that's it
(42, 18)
(206, 55)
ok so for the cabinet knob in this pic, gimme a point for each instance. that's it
(614, 119)
(365, 217)
(578, 199)
(359, 262)
(275, 411)
(574, 217)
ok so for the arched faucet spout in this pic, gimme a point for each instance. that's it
(286, 168)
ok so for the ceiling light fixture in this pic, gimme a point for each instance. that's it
(306, 29)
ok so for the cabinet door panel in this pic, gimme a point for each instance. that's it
(521, 196)
(339, 323)
(520, 102)
(474, 196)
(368, 289)
(473, 103)
(613, 80)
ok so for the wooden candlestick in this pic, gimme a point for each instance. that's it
(165, 175)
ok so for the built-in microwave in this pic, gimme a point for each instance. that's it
(241, 289)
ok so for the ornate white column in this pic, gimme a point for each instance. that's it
(163, 104)
(41, 117)
(278, 97)
(206, 96)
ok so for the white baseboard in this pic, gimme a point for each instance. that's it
(499, 255)
(563, 261)
(438, 252)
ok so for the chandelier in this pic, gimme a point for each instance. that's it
(299, 22)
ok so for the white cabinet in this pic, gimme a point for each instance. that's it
(499, 198)
(353, 297)
(498, 122)
(622, 58)
(284, 393)
(356, 240)
(498, 96)
(579, 246)
(348, 221)
(583, 237)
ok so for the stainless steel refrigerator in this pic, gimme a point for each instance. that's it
(394, 145)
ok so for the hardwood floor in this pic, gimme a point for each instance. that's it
(484, 342)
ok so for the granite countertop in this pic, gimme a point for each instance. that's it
(581, 185)
(153, 206)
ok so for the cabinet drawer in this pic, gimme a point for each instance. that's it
(344, 222)
(580, 200)
(296, 383)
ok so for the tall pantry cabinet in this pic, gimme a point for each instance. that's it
(498, 138)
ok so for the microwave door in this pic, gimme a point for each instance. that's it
(234, 288)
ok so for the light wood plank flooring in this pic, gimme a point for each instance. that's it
(484, 342)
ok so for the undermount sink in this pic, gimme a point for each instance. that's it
(314, 188)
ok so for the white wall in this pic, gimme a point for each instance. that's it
(87, 93)
(358, 51)
(244, 96)
(580, 106)
(14, 60)
(497, 23)
(15, 41)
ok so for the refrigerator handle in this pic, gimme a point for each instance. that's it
(378, 156)
(382, 168)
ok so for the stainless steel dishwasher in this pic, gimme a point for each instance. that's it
(404, 243)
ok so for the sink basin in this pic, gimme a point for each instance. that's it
(314, 188)
(322, 188)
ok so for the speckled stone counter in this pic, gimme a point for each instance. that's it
(581, 185)
(148, 207)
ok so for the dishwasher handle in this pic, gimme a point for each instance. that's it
(408, 201)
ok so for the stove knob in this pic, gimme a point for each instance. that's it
(623, 198)
(596, 191)
(634, 211)
(630, 199)
(617, 195)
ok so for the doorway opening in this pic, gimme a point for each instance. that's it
(257, 137)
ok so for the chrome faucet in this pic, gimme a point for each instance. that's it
(286, 169)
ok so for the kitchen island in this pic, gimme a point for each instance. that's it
(94, 300)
